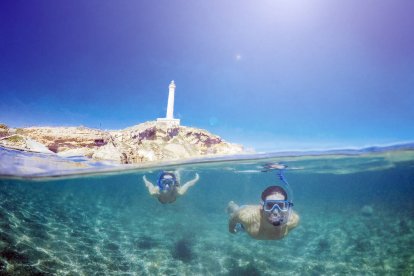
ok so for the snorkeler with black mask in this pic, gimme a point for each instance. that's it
(168, 186)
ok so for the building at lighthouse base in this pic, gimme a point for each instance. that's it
(169, 123)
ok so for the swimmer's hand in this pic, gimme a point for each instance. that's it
(231, 207)
(238, 228)
(235, 225)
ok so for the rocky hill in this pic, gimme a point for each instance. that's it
(141, 143)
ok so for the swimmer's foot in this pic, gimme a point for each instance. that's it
(232, 207)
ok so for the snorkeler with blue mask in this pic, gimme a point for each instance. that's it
(271, 220)
(277, 209)
(167, 181)
(168, 186)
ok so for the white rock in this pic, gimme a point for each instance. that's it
(107, 152)
(178, 150)
(147, 154)
(88, 152)
(36, 146)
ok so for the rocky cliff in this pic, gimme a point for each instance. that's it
(141, 143)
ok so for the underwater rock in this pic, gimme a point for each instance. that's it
(12, 255)
(362, 245)
(146, 242)
(182, 251)
(2, 266)
(248, 270)
(323, 245)
(28, 270)
(403, 227)
(367, 210)
(6, 238)
(112, 246)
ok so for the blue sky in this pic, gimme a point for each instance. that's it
(271, 75)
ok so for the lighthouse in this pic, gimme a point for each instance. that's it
(170, 105)
(169, 120)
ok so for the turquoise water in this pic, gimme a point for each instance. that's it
(357, 217)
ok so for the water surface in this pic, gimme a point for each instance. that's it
(357, 217)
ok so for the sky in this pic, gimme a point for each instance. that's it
(271, 75)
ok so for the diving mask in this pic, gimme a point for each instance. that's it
(281, 205)
(277, 211)
(166, 181)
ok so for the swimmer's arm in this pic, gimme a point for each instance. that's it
(153, 190)
(294, 221)
(178, 175)
(183, 189)
(249, 217)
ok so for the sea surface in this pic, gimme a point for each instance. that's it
(73, 216)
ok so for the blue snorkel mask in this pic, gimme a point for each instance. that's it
(281, 205)
(278, 211)
(167, 181)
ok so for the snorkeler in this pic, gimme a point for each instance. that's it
(168, 186)
(271, 220)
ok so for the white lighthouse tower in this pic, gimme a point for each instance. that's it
(170, 106)
(169, 118)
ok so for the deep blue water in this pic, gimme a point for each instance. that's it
(357, 217)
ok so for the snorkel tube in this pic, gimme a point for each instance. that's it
(279, 211)
(284, 180)
(280, 167)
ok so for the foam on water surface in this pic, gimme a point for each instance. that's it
(14, 163)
